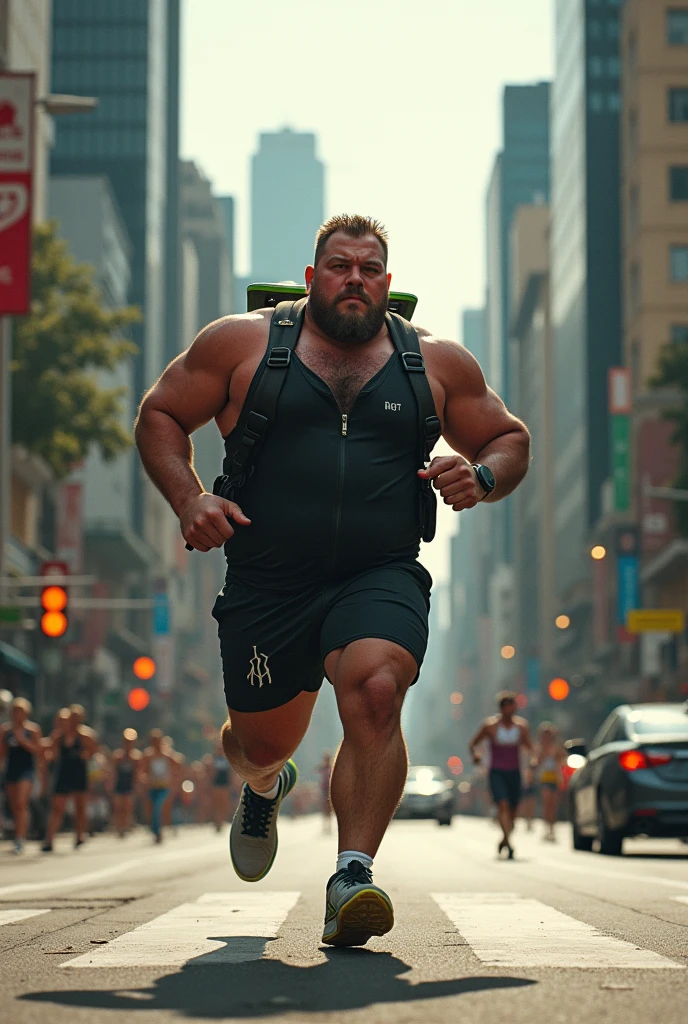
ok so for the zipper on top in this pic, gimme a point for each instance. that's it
(345, 424)
(340, 487)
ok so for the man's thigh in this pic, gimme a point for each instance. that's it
(380, 618)
(269, 642)
(281, 728)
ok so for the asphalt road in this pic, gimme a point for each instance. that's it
(169, 933)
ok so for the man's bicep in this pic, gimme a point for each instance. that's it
(471, 422)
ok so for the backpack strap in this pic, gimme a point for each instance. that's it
(285, 328)
(429, 427)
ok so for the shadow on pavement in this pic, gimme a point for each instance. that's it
(350, 980)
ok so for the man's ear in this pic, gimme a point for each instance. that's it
(389, 280)
(309, 276)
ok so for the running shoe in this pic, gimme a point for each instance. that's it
(355, 909)
(253, 835)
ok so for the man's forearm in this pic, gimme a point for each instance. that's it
(167, 455)
(508, 457)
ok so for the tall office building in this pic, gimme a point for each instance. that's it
(585, 268)
(127, 55)
(287, 205)
(520, 176)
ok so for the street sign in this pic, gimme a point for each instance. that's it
(10, 613)
(16, 167)
(620, 400)
(621, 471)
(656, 620)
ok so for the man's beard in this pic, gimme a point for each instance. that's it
(349, 328)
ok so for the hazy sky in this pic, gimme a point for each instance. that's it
(405, 98)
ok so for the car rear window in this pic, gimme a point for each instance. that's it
(660, 721)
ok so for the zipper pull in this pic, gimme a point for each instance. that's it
(345, 424)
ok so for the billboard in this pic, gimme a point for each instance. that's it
(16, 168)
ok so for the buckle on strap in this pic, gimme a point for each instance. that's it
(280, 357)
(413, 362)
(433, 429)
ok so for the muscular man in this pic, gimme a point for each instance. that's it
(323, 577)
(506, 734)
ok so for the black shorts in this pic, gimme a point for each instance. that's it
(274, 643)
(505, 785)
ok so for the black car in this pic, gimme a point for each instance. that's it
(633, 780)
(428, 793)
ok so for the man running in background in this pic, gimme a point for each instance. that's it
(126, 763)
(72, 745)
(323, 577)
(506, 735)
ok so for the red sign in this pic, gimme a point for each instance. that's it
(54, 569)
(16, 167)
(70, 541)
(620, 398)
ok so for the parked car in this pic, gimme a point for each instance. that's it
(633, 780)
(428, 793)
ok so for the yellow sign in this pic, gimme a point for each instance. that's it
(656, 620)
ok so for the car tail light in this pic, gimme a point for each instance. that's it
(655, 757)
(632, 760)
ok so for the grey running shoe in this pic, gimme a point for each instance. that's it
(253, 835)
(356, 909)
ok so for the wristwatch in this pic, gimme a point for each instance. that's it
(485, 477)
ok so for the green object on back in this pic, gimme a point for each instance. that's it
(262, 295)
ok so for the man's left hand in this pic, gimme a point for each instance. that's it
(455, 479)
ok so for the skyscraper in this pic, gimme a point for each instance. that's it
(127, 55)
(585, 267)
(287, 205)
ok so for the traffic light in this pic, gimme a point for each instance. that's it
(558, 689)
(138, 698)
(54, 601)
(144, 668)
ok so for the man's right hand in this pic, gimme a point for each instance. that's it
(204, 521)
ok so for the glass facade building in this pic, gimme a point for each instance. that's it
(127, 55)
(585, 266)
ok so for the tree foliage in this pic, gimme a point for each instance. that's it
(59, 408)
(672, 372)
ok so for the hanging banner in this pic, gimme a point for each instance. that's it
(628, 579)
(16, 170)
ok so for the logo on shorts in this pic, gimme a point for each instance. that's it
(259, 671)
(394, 406)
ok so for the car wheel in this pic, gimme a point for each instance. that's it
(580, 842)
(610, 839)
(444, 821)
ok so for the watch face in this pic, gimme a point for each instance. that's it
(487, 478)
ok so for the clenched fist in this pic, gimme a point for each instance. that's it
(205, 521)
(455, 479)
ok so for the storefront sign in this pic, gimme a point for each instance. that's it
(16, 167)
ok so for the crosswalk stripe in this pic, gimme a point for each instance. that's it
(508, 930)
(220, 927)
(11, 916)
(680, 899)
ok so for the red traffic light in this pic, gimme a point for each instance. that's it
(54, 603)
(138, 698)
(144, 667)
(559, 689)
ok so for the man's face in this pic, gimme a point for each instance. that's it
(349, 289)
(508, 708)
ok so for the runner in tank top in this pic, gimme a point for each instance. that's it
(72, 745)
(506, 735)
(126, 763)
(549, 757)
(20, 750)
(159, 769)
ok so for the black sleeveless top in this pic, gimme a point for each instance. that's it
(331, 495)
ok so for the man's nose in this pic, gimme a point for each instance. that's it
(354, 276)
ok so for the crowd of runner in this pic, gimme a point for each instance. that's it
(69, 778)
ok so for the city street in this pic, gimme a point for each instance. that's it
(169, 933)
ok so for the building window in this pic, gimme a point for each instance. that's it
(679, 263)
(613, 29)
(635, 287)
(613, 67)
(678, 105)
(614, 102)
(677, 27)
(679, 333)
(594, 28)
(595, 67)
(596, 102)
(678, 184)
(634, 210)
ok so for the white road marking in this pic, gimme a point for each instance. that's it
(220, 927)
(590, 867)
(150, 861)
(507, 930)
(10, 916)
(680, 899)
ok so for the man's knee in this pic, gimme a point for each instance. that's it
(256, 751)
(372, 704)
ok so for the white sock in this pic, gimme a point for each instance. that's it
(268, 794)
(344, 858)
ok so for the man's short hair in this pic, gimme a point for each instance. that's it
(506, 697)
(351, 224)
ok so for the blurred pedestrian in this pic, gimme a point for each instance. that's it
(72, 744)
(549, 757)
(159, 769)
(20, 751)
(126, 763)
(220, 789)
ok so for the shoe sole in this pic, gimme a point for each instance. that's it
(257, 878)
(366, 914)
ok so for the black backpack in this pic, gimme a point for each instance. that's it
(259, 412)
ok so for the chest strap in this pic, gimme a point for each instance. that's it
(285, 328)
(429, 427)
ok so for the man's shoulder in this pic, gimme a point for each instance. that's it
(522, 722)
(445, 356)
(491, 722)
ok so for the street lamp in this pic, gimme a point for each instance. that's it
(562, 622)
(61, 103)
(598, 553)
(507, 651)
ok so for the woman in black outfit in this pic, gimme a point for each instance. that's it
(126, 763)
(19, 748)
(72, 744)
